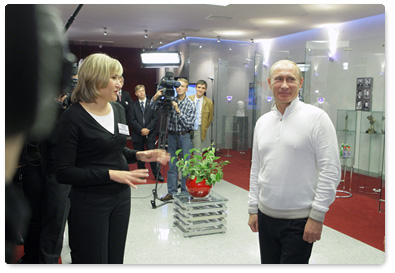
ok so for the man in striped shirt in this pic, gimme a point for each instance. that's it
(181, 121)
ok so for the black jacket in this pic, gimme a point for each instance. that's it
(150, 116)
(126, 102)
(85, 151)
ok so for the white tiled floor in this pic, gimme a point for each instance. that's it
(152, 239)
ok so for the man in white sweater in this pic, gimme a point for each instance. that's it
(294, 173)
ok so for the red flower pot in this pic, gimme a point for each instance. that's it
(200, 189)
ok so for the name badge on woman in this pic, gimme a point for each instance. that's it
(123, 129)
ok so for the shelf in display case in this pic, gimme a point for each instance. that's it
(346, 120)
(371, 151)
(346, 129)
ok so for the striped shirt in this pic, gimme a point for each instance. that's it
(183, 122)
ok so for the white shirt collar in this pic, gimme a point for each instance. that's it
(289, 108)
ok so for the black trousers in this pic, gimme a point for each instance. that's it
(31, 179)
(140, 146)
(55, 213)
(98, 225)
(281, 240)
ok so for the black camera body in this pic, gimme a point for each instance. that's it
(168, 83)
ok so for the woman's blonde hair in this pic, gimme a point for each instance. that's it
(93, 74)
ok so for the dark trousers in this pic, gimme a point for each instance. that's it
(98, 225)
(32, 181)
(56, 211)
(281, 240)
(139, 146)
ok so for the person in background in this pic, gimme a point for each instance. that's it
(91, 155)
(204, 114)
(31, 180)
(124, 98)
(181, 120)
(56, 204)
(30, 110)
(143, 120)
(295, 171)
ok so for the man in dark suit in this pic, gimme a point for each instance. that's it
(126, 101)
(143, 120)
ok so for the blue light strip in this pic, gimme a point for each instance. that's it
(199, 38)
(368, 20)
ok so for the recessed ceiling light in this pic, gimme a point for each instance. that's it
(230, 33)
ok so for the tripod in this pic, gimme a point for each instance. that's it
(164, 121)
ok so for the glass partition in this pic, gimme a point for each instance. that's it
(353, 80)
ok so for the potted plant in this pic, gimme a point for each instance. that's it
(203, 169)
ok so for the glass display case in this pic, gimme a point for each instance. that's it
(346, 132)
(371, 152)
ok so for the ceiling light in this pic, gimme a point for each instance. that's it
(183, 36)
(146, 34)
(231, 33)
(160, 41)
(252, 41)
(219, 39)
(105, 31)
(155, 59)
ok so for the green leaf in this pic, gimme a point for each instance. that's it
(203, 166)
(213, 176)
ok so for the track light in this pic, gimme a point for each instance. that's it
(105, 31)
(252, 41)
(219, 39)
(146, 34)
(152, 45)
(160, 41)
(183, 36)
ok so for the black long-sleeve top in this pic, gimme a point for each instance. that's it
(86, 151)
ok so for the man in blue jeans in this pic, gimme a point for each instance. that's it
(181, 122)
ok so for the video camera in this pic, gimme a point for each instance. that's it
(168, 83)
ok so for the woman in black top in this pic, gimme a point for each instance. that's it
(92, 156)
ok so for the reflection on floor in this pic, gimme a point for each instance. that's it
(152, 238)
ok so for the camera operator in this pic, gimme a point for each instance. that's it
(181, 121)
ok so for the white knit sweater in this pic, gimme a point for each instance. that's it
(295, 164)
